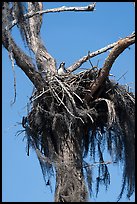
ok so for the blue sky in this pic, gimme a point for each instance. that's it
(68, 36)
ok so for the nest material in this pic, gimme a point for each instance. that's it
(67, 107)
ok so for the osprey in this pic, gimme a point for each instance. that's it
(62, 70)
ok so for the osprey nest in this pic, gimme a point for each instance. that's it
(66, 108)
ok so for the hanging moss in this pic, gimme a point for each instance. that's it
(66, 108)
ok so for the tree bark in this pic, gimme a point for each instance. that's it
(70, 184)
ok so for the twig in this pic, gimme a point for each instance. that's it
(122, 76)
(89, 59)
(78, 97)
(61, 91)
(78, 63)
(98, 163)
(40, 95)
(66, 107)
(90, 117)
(74, 93)
(131, 98)
(61, 84)
(90, 7)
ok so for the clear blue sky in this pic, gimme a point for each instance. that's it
(68, 36)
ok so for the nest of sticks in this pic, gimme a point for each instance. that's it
(66, 106)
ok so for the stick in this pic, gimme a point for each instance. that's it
(67, 108)
(61, 84)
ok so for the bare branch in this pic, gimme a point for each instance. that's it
(78, 63)
(90, 7)
(122, 44)
(23, 61)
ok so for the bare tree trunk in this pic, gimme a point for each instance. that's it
(70, 184)
(53, 127)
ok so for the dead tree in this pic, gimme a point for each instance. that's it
(72, 114)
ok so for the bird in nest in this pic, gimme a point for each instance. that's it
(62, 70)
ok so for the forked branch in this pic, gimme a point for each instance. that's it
(82, 60)
(24, 62)
(122, 44)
